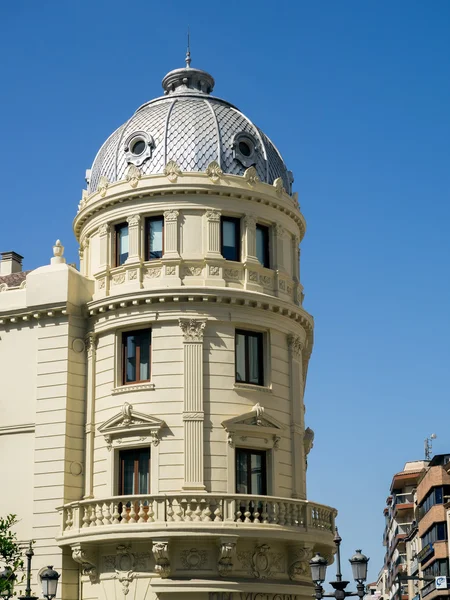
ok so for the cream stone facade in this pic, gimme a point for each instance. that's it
(91, 409)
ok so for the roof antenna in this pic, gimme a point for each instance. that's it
(428, 446)
(188, 53)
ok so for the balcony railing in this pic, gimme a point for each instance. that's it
(149, 511)
(428, 588)
(400, 499)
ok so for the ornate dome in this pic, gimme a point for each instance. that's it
(192, 128)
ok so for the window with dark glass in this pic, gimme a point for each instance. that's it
(439, 567)
(435, 496)
(262, 245)
(134, 475)
(249, 357)
(136, 356)
(437, 533)
(251, 472)
(231, 238)
(121, 243)
(154, 238)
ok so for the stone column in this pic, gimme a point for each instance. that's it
(193, 415)
(171, 234)
(250, 239)
(103, 232)
(296, 259)
(295, 345)
(213, 234)
(91, 349)
(134, 239)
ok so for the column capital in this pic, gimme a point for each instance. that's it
(250, 221)
(134, 220)
(192, 329)
(279, 230)
(171, 215)
(104, 229)
(91, 340)
(296, 345)
(213, 215)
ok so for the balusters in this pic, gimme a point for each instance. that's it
(207, 511)
(132, 512)
(142, 511)
(197, 511)
(265, 513)
(116, 513)
(86, 520)
(69, 519)
(106, 514)
(150, 512)
(282, 516)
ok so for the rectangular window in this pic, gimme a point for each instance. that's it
(154, 238)
(249, 357)
(134, 476)
(136, 347)
(251, 472)
(262, 245)
(231, 238)
(121, 243)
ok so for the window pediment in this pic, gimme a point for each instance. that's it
(129, 423)
(254, 424)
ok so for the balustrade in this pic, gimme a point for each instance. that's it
(240, 509)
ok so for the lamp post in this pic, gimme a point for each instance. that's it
(318, 565)
(29, 554)
(7, 577)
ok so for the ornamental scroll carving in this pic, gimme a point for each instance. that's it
(227, 553)
(308, 443)
(103, 184)
(214, 171)
(299, 568)
(172, 171)
(90, 342)
(295, 344)
(133, 175)
(171, 215)
(192, 329)
(251, 176)
(278, 185)
(87, 560)
(104, 229)
(161, 554)
(193, 558)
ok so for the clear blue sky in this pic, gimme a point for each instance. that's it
(356, 96)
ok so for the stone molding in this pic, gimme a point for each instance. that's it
(131, 423)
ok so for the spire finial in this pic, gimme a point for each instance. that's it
(188, 52)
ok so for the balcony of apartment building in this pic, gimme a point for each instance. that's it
(398, 539)
(403, 504)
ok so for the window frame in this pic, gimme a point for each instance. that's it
(237, 224)
(124, 336)
(148, 221)
(121, 472)
(117, 228)
(249, 452)
(261, 356)
(266, 232)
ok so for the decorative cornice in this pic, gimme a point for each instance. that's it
(171, 215)
(192, 329)
(138, 387)
(231, 186)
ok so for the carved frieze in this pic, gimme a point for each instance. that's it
(261, 563)
(152, 272)
(171, 270)
(214, 270)
(193, 271)
(193, 558)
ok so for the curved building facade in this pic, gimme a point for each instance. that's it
(166, 432)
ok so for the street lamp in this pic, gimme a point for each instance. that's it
(7, 577)
(318, 566)
(49, 579)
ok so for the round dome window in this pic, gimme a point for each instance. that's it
(138, 147)
(245, 149)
